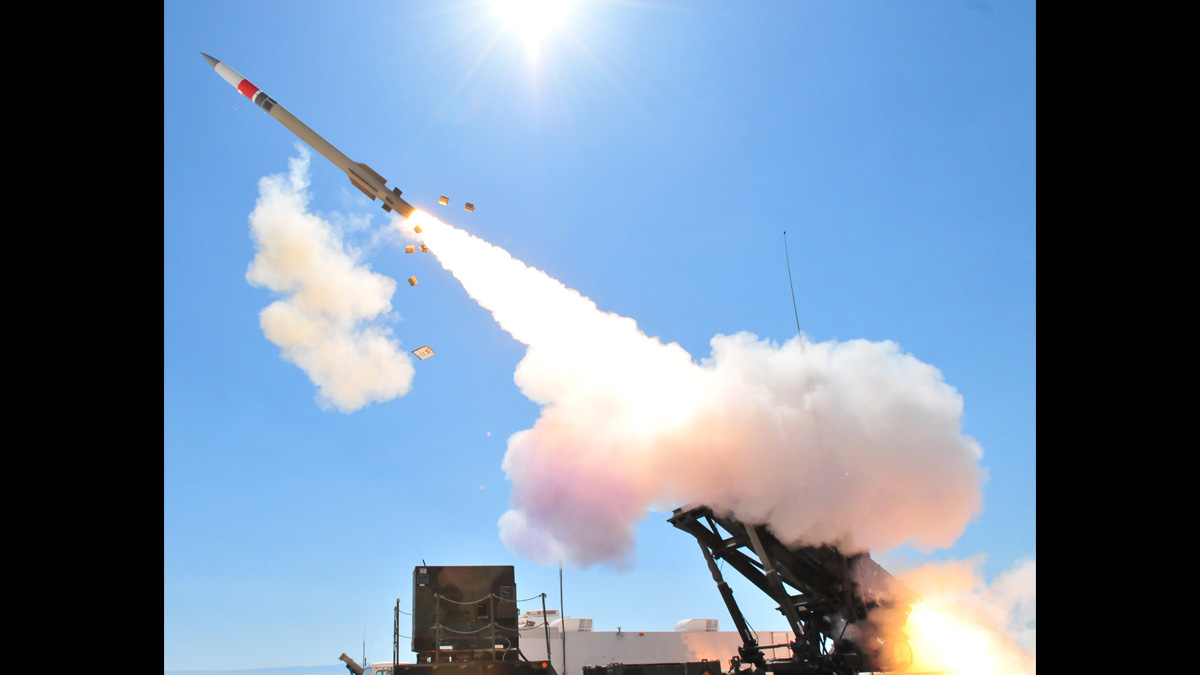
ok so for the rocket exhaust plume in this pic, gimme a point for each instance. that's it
(327, 323)
(854, 444)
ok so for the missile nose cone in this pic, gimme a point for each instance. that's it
(211, 61)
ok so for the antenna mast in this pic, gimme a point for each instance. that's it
(792, 287)
(562, 619)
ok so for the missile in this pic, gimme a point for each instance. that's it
(361, 176)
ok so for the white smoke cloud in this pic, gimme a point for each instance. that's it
(328, 321)
(1011, 602)
(854, 443)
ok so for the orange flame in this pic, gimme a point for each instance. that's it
(950, 641)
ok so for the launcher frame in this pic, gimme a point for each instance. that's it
(844, 611)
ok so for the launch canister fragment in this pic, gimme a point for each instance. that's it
(417, 229)
(469, 207)
(423, 352)
(412, 281)
(443, 200)
(410, 249)
(424, 248)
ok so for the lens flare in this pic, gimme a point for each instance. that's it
(533, 20)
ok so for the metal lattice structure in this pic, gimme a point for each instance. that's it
(844, 611)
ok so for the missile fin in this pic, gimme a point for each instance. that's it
(373, 173)
(362, 187)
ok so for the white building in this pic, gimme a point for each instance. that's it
(692, 640)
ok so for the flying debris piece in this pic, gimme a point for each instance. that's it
(469, 206)
(424, 248)
(443, 200)
(409, 249)
(423, 352)
(412, 281)
(361, 176)
(417, 229)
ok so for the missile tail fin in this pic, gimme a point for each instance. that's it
(362, 188)
(371, 171)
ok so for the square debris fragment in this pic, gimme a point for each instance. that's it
(417, 229)
(424, 248)
(423, 352)
(410, 249)
(469, 206)
(443, 200)
(412, 281)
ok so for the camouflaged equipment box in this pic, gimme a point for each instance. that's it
(464, 613)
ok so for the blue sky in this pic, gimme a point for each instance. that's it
(650, 158)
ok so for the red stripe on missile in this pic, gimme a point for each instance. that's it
(247, 88)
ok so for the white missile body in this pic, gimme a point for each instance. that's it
(361, 176)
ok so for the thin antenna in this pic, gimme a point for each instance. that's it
(546, 627)
(793, 289)
(562, 617)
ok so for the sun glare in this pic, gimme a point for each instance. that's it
(533, 20)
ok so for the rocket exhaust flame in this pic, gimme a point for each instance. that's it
(964, 627)
(629, 424)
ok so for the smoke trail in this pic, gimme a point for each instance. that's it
(323, 325)
(964, 626)
(855, 443)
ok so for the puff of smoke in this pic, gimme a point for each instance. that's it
(854, 444)
(324, 324)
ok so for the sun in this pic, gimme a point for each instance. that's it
(533, 20)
